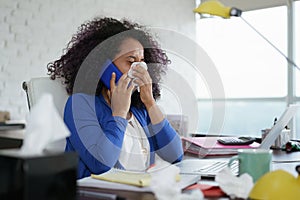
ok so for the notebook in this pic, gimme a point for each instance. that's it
(140, 179)
(209, 168)
(126, 177)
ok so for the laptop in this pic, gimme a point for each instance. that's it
(208, 168)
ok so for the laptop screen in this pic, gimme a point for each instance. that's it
(287, 115)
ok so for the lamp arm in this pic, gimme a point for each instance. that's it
(289, 60)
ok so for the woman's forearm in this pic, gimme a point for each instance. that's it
(155, 114)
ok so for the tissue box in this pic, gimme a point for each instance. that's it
(51, 176)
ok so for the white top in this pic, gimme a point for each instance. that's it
(135, 152)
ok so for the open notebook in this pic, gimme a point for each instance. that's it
(209, 168)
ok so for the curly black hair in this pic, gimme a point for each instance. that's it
(101, 38)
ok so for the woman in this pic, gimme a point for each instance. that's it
(116, 126)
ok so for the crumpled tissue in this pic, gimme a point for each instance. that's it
(45, 130)
(130, 72)
(233, 186)
(163, 183)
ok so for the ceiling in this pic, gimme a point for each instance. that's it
(246, 5)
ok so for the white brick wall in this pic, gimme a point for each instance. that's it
(34, 32)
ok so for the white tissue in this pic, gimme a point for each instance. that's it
(163, 181)
(44, 129)
(233, 186)
(164, 186)
(130, 75)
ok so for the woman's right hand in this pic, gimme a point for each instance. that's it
(120, 95)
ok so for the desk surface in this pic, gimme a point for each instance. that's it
(281, 160)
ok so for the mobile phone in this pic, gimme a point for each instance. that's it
(109, 67)
(236, 140)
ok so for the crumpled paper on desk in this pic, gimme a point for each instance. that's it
(163, 183)
(233, 186)
(45, 128)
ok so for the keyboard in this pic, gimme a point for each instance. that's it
(205, 168)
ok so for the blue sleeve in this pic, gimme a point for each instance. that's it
(97, 143)
(166, 142)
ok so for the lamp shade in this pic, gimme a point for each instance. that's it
(213, 8)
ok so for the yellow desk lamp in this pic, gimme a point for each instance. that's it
(216, 8)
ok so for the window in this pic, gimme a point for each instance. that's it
(297, 49)
(297, 60)
(254, 74)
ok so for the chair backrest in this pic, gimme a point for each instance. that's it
(36, 87)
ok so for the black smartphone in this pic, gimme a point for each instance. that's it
(236, 140)
(109, 67)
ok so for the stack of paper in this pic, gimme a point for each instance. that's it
(209, 146)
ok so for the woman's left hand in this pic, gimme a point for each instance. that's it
(143, 79)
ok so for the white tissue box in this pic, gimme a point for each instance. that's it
(51, 176)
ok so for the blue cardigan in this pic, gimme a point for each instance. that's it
(97, 136)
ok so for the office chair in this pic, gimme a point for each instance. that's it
(36, 87)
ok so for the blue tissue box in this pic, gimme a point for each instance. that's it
(45, 177)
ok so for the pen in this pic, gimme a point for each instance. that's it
(99, 195)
